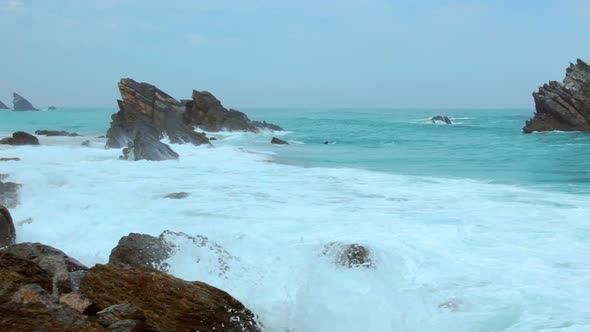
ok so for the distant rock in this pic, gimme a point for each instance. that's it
(9, 159)
(52, 108)
(21, 104)
(7, 231)
(20, 138)
(147, 146)
(326, 142)
(178, 195)
(563, 105)
(169, 303)
(441, 118)
(349, 255)
(55, 133)
(9, 194)
(145, 106)
(3, 106)
(275, 140)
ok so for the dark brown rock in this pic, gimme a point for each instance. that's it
(563, 105)
(3, 106)
(9, 194)
(56, 133)
(279, 141)
(20, 138)
(21, 104)
(169, 303)
(16, 272)
(114, 313)
(349, 255)
(79, 303)
(178, 195)
(130, 325)
(7, 231)
(441, 118)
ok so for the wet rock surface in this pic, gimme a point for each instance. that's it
(56, 133)
(349, 255)
(441, 118)
(20, 138)
(278, 141)
(147, 146)
(9, 194)
(7, 231)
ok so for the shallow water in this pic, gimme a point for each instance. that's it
(474, 226)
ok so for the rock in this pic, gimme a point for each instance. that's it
(326, 142)
(55, 133)
(441, 118)
(52, 108)
(9, 194)
(144, 105)
(275, 140)
(7, 231)
(563, 105)
(212, 139)
(145, 251)
(3, 106)
(147, 146)
(206, 112)
(129, 325)
(16, 272)
(20, 138)
(179, 195)
(3, 176)
(9, 159)
(86, 143)
(169, 303)
(79, 303)
(64, 270)
(349, 255)
(117, 312)
(21, 104)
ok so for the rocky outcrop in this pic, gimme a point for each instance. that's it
(169, 303)
(563, 105)
(16, 272)
(441, 118)
(279, 141)
(21, 104)
(349, 255)
(20, 138)
(147, 146)
(178, 195)
(55, 133)
(3, 106)
(9, 194)
(7, 231)
(144, 105)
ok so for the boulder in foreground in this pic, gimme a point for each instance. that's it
(563, 105)
(21, 104)
(20, 138)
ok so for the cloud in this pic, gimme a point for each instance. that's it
(12, 6)
(195, 39)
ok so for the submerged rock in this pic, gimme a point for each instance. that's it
(9, 159)
(563, 105)
(21, 104)
(7, 231)
(20, 138)
(3, 106)
(179, 195)
(349, 255)
(9, 194)
(147, 146)
(441, 118)
(86, 143)
(279, 141)
(169, 303)
(55, 133)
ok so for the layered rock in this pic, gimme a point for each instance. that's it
(21, 104)
(563, 105)
(144, 105)
(56, 133)
(3, 106)
(169, 303)
(7, 231)
(20, 138)
(147, 146)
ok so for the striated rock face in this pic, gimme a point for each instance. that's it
(55, 133)
(147, 146)
(21, 104)
(20, 138)
(169, 303)
(3, 106)
(7, 231)
(144, 105)
(563, 105)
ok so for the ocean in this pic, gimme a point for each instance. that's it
(473, 226)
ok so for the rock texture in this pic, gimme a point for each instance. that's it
(55, 133)
(349, 255)
(9, 194)
(441, 118)
(147, 146)
(143, 106)
(169, 303)
(563, 105)
(3, 106)
(279, 141)
(7, 231)
(20, 138)
(21, 104)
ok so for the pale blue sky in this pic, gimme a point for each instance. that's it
(304, 53)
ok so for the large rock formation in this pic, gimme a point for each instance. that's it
(21, 104)
(3, 106)
(144, 105)
(563, 105)
(7, 231)
(20, 138)
(147, 146)
(169, 303)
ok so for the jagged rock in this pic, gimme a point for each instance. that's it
(142, 104)
(64, 270)
(179, 195)
(7, 231)
(9, 159)
(349, 255)
(563, 105)
(279, 141)
(16, 272)
(21, 104)
(20, 138)
(441, 118)
(169, 303)
(52, 108)
(147, 146)
(9, 194)
(206, 112)
(86, 143)
(55, 133)
(3, 106)
(117, 312)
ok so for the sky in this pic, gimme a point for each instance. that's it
(284, 53)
